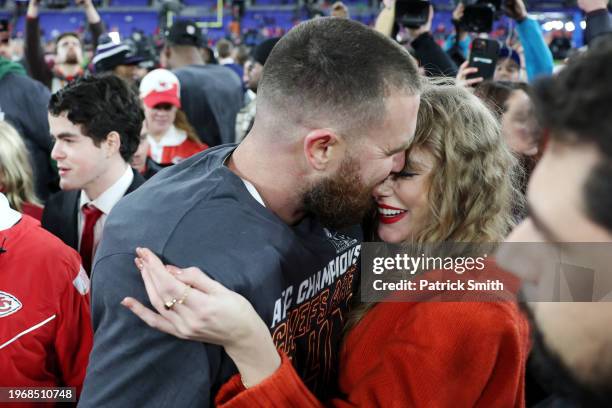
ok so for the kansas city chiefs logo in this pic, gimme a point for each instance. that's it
(9, 304)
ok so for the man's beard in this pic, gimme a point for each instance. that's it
(340, 200)
(71, 58)
(554, 376)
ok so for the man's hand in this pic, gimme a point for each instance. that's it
(458, 12)
(515, 9)
(464, 71)
(389, 3)
(591, 5)
(33, 9)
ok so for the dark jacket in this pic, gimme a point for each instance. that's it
(598, 22)
(24, 103)
(432, 57)
(211, 97)
(60, 216)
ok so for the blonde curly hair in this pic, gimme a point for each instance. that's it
(472, 187)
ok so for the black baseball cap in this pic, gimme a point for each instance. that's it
(185, 32)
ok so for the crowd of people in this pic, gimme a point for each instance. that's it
(193, 233)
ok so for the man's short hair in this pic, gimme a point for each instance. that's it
(102, 104)
(575, 107)
(68, 34)
(332, 72)
(224, 48)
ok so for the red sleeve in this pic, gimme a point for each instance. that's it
(450, 354)
(440, 355)
(284, 388)
(74, 336)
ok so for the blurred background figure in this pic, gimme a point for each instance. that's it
(170, 137)
(252, 75)
(23, 104)
(67, 63)
(225, 51)
(211, 95)
(16, 177)
(118, 58)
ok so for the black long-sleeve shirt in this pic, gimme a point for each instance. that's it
(598, 22)
(432, 57)
(35, 57)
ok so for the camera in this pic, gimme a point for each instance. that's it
(411, 13)
(479, 15)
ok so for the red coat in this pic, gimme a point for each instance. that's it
(414, 354)
(45, 324)
(176, 154)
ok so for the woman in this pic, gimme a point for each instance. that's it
(457, 186)
(170, 136)
(16, 180)
(512, 104)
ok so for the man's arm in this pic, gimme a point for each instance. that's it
(34, 55)
(538, 58)
(598, 20)
(96, 26)
(132, 364)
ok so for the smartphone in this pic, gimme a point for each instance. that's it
(483, 55)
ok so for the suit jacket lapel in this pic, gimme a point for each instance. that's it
(71, 228)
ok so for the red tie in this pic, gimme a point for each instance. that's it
(92, 214)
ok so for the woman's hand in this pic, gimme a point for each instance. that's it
(192, 306)
(464, 71)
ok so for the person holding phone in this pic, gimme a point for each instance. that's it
(538, 59)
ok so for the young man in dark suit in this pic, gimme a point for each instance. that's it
(96, 124)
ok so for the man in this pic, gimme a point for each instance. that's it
(263, 218)
(211, 95)
(225, 49)
(569, 200)
(118, 58)
(252, 75)
(23, 103)
(69, 53)
(6, 49)
(96, 124)
(45, 335)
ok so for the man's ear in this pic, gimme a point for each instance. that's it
(322, 147)
(113, 143)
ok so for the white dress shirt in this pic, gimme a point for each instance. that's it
(105, 203)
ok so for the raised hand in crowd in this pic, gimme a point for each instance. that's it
(515, 9)
(464, 71)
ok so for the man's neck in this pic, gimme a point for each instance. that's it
(69, 70)
(277, 188)
(106, 180)
(188, 58)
